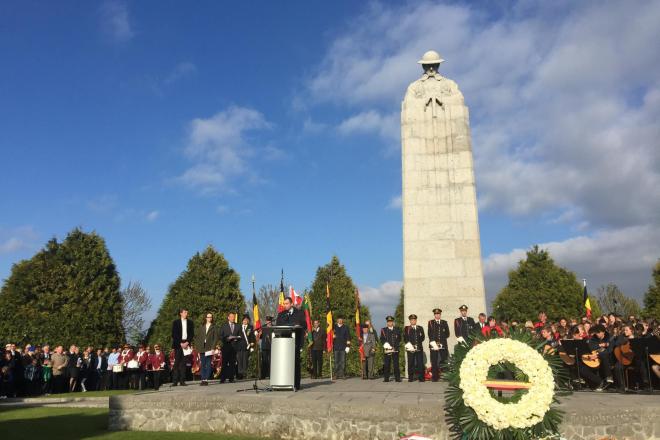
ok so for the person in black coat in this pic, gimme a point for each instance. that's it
(293, 317)
(99, 367)
(183, 331)
(413, 336)
(318, 347)
(438, 331)
(463, 325)
(390, 337)
(266, 339)
(229, 335)
(244, 346)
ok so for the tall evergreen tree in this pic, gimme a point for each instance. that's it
(67, 293)
(342, 301)
(652, 295)
(539, 284)
(207, 284)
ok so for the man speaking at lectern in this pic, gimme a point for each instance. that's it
(292, 316)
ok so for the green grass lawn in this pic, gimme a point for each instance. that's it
(80, 423)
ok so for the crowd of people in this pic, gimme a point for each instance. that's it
(598, 353)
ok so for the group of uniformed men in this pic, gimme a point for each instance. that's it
(413, 337)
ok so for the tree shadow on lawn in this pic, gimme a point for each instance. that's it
(81, 423)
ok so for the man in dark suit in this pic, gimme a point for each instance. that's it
(463, 325)
(318, 347)
(183, 331)
(413, 336)
(340, 347)
(266, 339)
(244, 346)
(98, 368)
(229, 334)
(291, 316)
(390, 337)
(438, 333)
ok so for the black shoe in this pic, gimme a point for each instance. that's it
(411, 380)
(231, 380)
(386, 380)
(183, 384)
(175, 384)
(398, 380)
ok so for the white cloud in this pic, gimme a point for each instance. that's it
(16, 239)
(219, 148)
(564, 98)
(152, 216)
(116, 22)
(395, 203)
(623, 256)
(381, 300)
(181, 70)
(386, 126)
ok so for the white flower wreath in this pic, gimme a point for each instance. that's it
(531, 408)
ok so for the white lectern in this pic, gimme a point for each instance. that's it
(283, 357)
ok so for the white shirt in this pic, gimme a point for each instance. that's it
(184, 329)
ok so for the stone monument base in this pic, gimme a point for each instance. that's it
(356, 409)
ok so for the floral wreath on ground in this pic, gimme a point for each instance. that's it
(481, 367)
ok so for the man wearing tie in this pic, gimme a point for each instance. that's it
(463, 325)
(481, 323)
(438, 334)
(291, 316)
(183, 331)
(413, 337)
(229, 334)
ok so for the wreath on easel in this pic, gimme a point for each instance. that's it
(483, 369)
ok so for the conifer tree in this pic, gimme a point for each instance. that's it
(67, 293)
(208, 284)
(538, 284)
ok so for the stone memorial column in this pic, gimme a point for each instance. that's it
(441, 246)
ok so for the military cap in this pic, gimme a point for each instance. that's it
(412, 316)
(437, 310)
(389, 318)
(463, 307)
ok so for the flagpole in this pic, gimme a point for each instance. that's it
(256, 345)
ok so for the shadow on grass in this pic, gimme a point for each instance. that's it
(53, 423)
(81, 423)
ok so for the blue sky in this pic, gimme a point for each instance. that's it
(270, 130)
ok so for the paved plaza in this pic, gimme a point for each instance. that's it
(356, 409)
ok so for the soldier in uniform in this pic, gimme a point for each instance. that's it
(438, 333)
(390, 337)
(463, 324)
(413, 336)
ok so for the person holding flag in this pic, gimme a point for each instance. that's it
(318, 346)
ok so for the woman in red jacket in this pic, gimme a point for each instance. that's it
(156, 365)
(125, 356)
(492, 327)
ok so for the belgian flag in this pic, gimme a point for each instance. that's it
(328, 319)
(585, 298)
